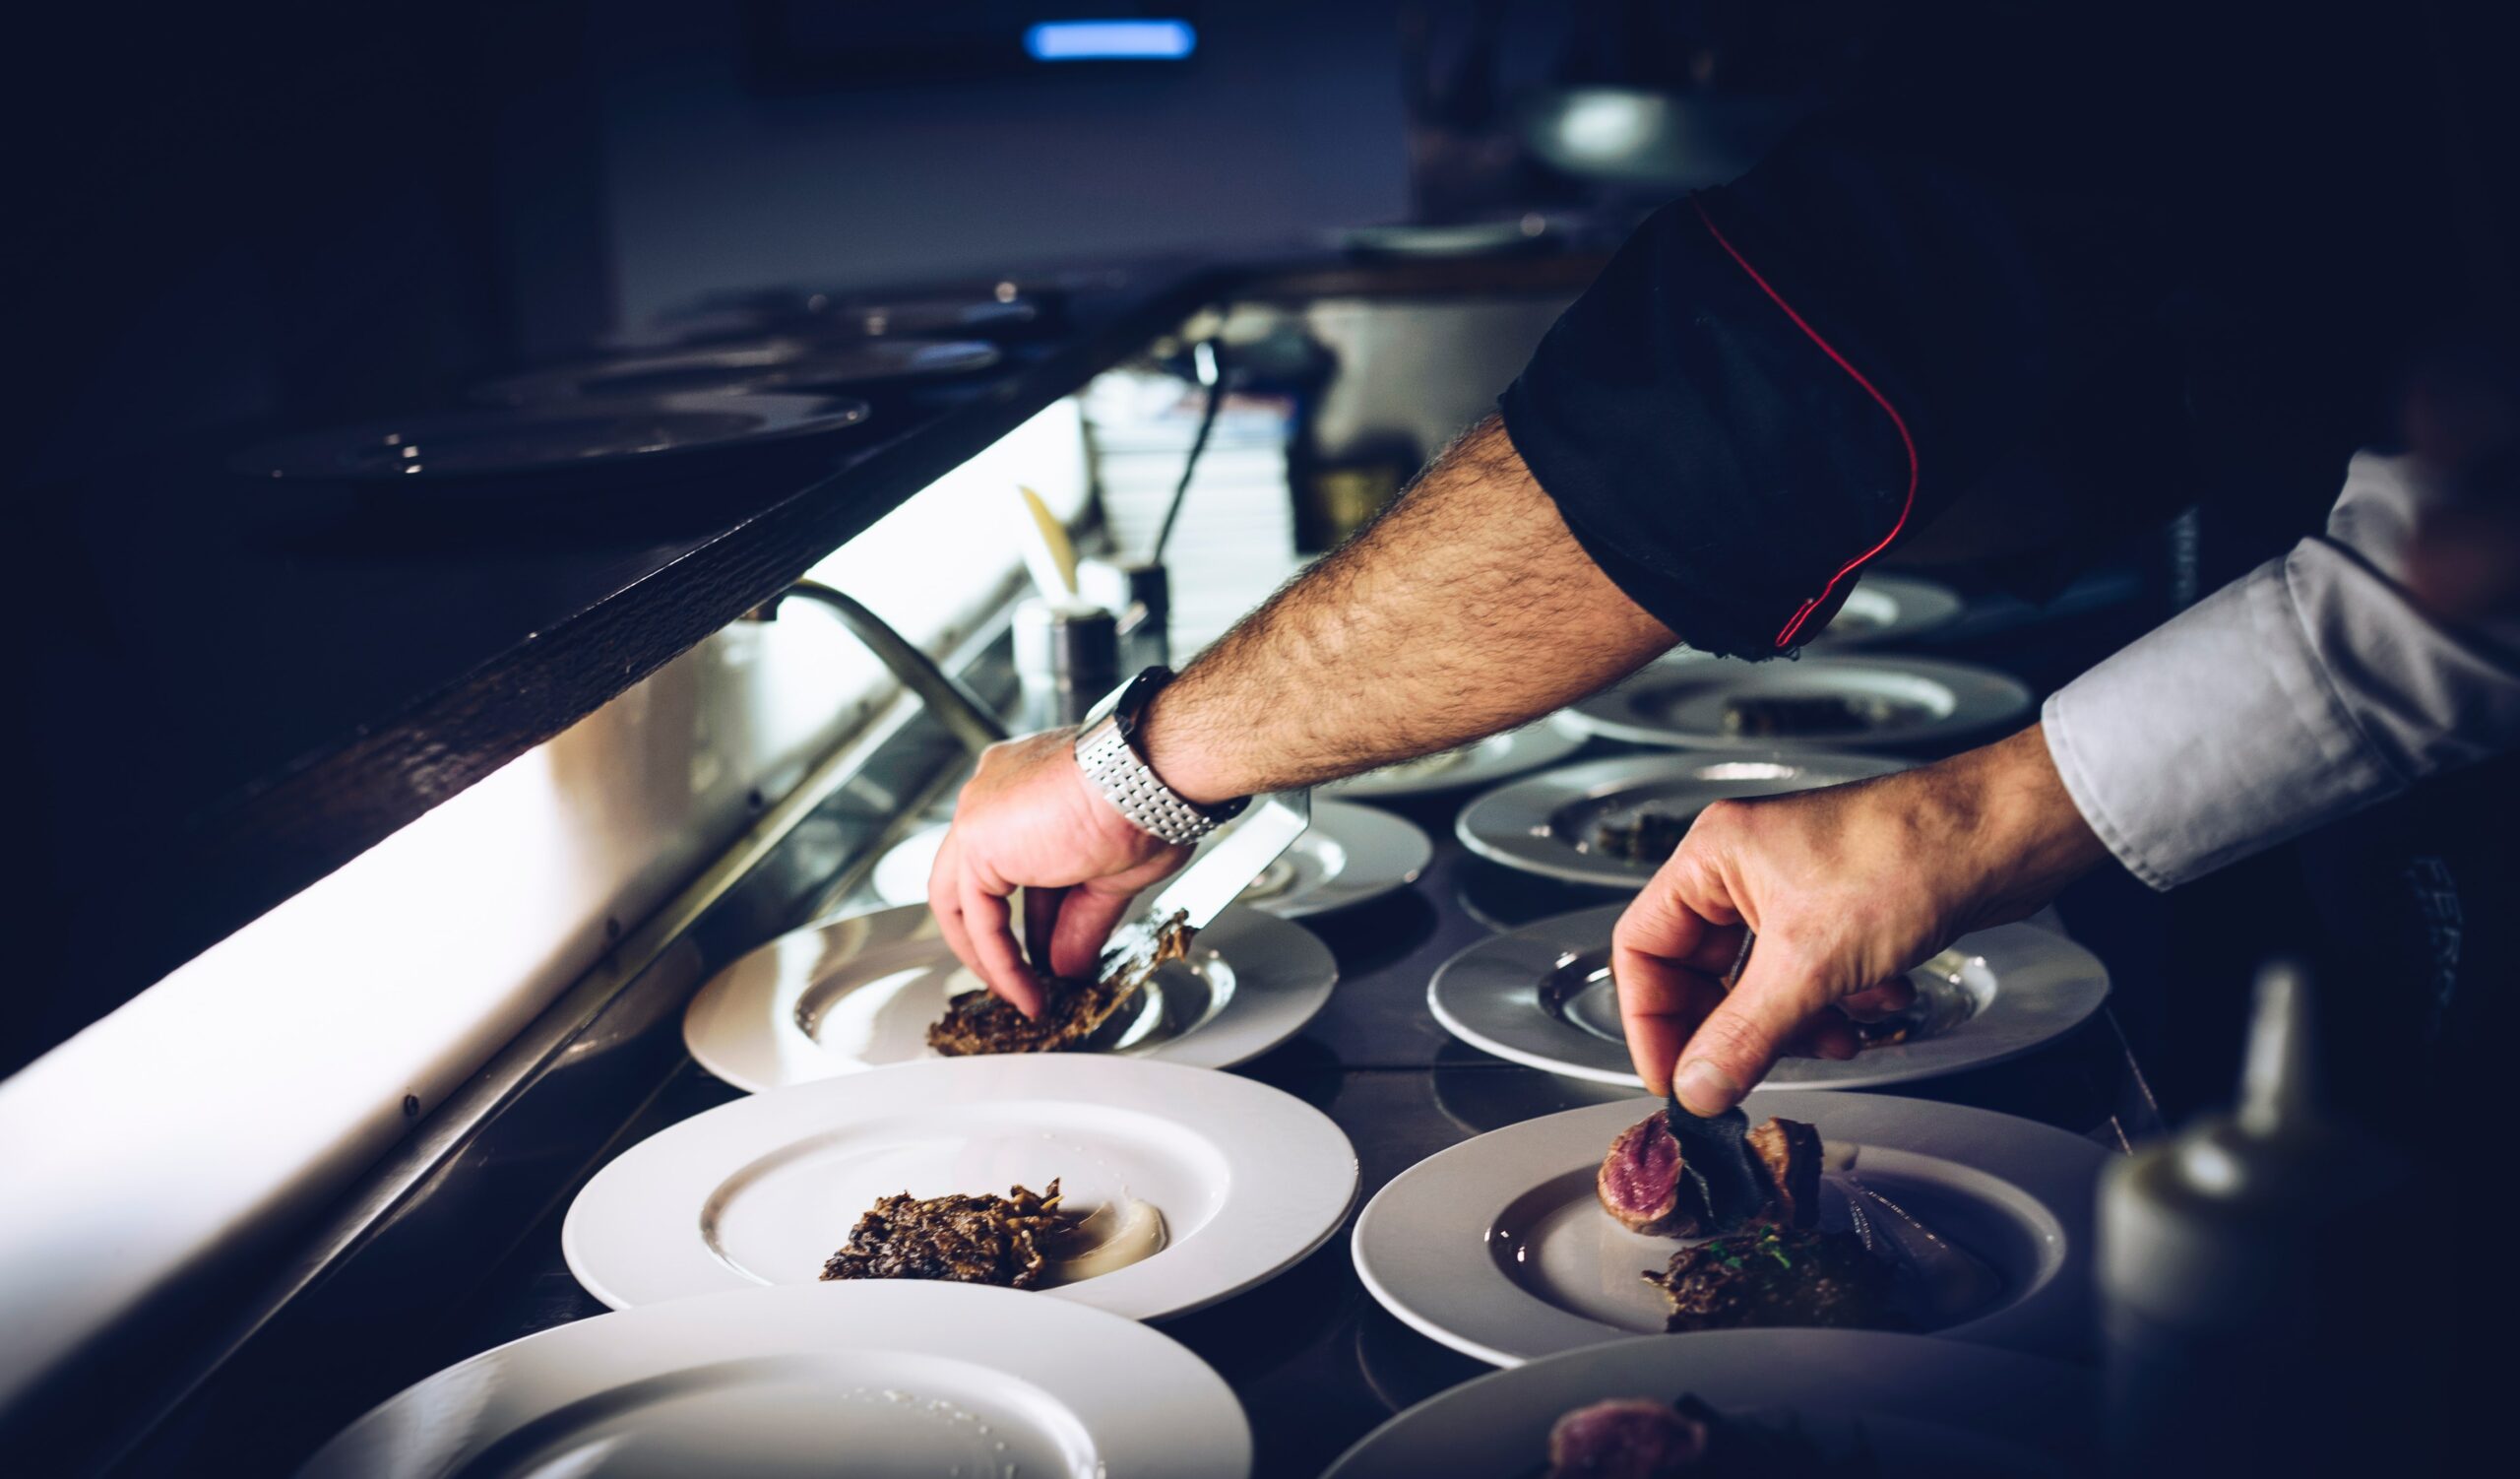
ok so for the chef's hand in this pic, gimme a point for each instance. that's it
(1027, 819)
(1847, 888)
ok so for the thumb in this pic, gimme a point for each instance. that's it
(1739, 1041)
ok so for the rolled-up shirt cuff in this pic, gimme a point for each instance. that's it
(2212, 738)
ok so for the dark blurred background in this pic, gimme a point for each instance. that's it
(300, 213)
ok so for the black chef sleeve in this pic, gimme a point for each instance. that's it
(1771, 382)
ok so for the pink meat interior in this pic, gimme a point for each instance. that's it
(1643, 1171)
(1625, 1439)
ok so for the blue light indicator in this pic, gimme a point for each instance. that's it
(1110, 41)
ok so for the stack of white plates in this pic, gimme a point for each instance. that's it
(1236, 542)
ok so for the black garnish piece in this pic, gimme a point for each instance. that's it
(1716, 1159)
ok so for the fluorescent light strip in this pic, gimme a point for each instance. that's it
(1110, 41)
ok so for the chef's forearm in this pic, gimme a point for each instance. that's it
(1466, 609)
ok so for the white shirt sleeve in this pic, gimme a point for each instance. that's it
(2308, 689)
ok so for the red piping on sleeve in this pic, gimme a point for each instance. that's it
(1803, 613)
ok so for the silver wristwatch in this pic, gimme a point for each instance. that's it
(1106, 750)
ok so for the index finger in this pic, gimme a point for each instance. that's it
(990, 927)
(1664, 957)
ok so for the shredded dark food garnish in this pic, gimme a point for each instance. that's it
(1780, 1277)
(964, 1239)
(980, 1022)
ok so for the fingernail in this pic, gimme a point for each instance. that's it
(1705, 1089)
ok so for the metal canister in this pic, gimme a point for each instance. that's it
(1067, 656)
(2217, 1247)
(1139, 596)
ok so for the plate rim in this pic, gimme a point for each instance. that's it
(1555, 742)
(2067, 1386)
(1607, 716)
(804, 415)
(1285, 1230)
(2089, 992)
(565, 384)
(1309, 964)
(1371, 824)
(1938, 605)
(1518, 797)
(784, 1321)
(1330, 817)
(2040, 1168)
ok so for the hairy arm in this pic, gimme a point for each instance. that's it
(1467, 607)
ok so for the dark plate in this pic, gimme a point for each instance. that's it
(514, 439)
(763, 365)
(805, 314)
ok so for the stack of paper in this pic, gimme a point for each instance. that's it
(1235, 541)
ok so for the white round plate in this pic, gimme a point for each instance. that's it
(1248, 1179)
(1350, 855)
(1498, 1249)
(862, 1379)
(1927, 1408)
(1483, 763)
(1885, 609)
(1678, 702)
(1545, 824)
(859, 992)
(1541, 995)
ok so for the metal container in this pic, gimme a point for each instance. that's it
(1067, 656)
(1139, 596)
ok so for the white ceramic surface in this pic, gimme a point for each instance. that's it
(1483, 763)
(1543, 824)
(1927, 1408)
(1498, 1249)
(942, 1379)
(1887, 608)
(1679, 701)
(1247, 1178)
(1542, 996)
(1350, 855)
(859, 992)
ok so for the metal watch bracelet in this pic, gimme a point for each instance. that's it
(1102, 752)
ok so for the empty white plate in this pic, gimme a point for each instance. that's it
(859, 992)
(1550, 823)
(862, 1378)
(1913, 703)
(1478, 764)
(1350, 855)
(1498, 1249)
(1926, 1408)
(1541, 995)
(1247, 1178)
